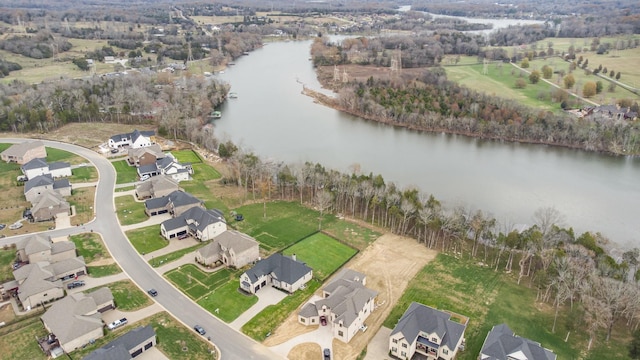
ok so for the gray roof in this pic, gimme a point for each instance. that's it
(37, 278)
(199, 218)
(154, 149)
(38, 181)
(58, 165)
(132, 136)
(62, 246)
(283, 267)
(66, 265)
(34, 243)
(177, 198)
(119, 348)
(146, 169)
(21, 148)
(72, 317)
(230, 239)
(37, 163)
(423, 318)
(51, 202)
(156, 203)
(308, 310)
(101, 296)
(61, 183)
(175, 223)
(502, 343)
(347, 296)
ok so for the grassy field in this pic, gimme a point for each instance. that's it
(125, 173)
(84, 174)
(322, 253)
(82, 199)
(17, 341)
(7, 257)
(217, 290)
(129, 210)
(490, 298)
(54, 155)
(286, 223)
(90, 246)
(167, 258)
(189, 156)
(98, 271)
(147, 239)
(273, 315)
(175, 340)
(127, 296)
(353, 234)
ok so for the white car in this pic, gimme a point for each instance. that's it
(144, 177)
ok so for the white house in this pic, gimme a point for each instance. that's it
(203, 224)
(39, 166)
(135, 139)
(282, 272)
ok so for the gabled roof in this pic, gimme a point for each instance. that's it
(177, 198)
(38, 181)
(62, 246)
(21, 148)
(61, 183)
(132, 136)
(421, 318)
(199, 218)
(283, 267)
(49, 199)
(145, 169)
(34, 244)
(154, 150)
(37, 278)
(37, 163)
(101, 296)
(230, 239)
(58, 165)
(64, 266)
(119, 349)
(175, 223)
(502, 343)
(347, 296)
(72, 317)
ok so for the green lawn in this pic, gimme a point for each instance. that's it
(204, 172)
(167, 258)
(103, 270)
(147, 239)
(129, 210)
(127, 296)
(175, 340)
(322, 253)
(490, 298)
(54, 155)
(286, 223)
(125, 188)
(273, 315)
(228, 300)
(90, 246)
(217, 290)
(189, 156)
(126, 173)
(7, 257)
(353, 234)
(84, 174)
(17, 341)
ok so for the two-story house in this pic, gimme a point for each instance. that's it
(175, 204)
(201, 223)
(135, 139)
(231, 248)
(502, 344)
(42, 183)
(24, 152)
(40, 166)
(280, 271)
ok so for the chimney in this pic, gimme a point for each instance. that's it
(293, 256)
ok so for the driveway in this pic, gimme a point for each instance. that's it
(266, 296)
(378, 348)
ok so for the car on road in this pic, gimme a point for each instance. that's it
(75, 284)
(199, 329)
(152, 292)
(326, 353)
(116, 324)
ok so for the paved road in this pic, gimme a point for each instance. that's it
(232, 344)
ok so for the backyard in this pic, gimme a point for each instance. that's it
(457, 285)
(322, 253)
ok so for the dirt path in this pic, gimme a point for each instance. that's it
(389, 263)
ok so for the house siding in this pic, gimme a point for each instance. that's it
(43, 297)
(82, 340)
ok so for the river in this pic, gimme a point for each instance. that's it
(511, 181)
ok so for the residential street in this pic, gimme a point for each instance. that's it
(232, 344)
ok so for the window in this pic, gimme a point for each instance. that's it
(445, 351)
(303, 320)
(395, 341)
(434, 340)
(340, 333)
(394, 350)
(404, 345)
(403, 354)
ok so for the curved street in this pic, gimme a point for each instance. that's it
(232, 344)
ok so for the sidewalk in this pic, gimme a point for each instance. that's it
(174, 245)
(91, 282)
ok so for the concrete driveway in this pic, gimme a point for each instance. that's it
(266, 296)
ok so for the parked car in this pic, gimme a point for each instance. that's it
(75, 284)
(114, 151)
(152, 292)
(2, 226)
(144, 177)
(22, 178)
(323, 320)
(116, 324)
(183, 236)
(239, 217)
(327, 354)
(15, 226)
(199, 329)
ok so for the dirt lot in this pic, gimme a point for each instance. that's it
(389, 263)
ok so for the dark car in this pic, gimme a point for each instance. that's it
(199, 330)
(239, 217)
(323, 320)
(114, 151)
(152, 292)
(2, 226)
(327, 354)
(75, 284)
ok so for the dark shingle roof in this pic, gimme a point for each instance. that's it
(61, 183)
(423, 318)
(58, 165)
(119, 348)
(38, 181)
(37, 163)
(284, 268)
(502, 343)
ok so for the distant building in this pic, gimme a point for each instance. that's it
(135, 139)
(24, 152)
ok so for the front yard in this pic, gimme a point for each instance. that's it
(129, 210)
(127, 296)
(125, 173)
(147, 239)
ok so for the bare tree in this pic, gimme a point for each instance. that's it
(323, 201)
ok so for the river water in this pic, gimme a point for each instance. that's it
(511, 181)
